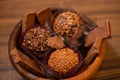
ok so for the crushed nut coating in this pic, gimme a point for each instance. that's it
(63, 61)
(35, 39)
(68, 24)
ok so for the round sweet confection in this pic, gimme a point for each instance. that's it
(63, 61)
(35, 38)
(68, 24)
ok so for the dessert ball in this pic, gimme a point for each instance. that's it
(63, 61)
(68, 24)
(35, 38)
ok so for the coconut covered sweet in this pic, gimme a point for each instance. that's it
(68, 24)
(63, 61)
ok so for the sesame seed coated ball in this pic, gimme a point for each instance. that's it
(63, 61)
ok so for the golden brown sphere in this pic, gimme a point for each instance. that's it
(63, 61)
(68, 24)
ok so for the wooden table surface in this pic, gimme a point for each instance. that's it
(12, 11)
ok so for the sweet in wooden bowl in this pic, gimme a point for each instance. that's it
(41, 36)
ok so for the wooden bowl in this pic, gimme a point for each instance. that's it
(84, 75)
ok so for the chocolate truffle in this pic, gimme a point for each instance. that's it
(35, 38)
(68, 24)
(63, 61)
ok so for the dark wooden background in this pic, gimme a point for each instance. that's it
(11, 11)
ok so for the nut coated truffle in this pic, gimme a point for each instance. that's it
(35, 39)
(68, 24)
(63, 61)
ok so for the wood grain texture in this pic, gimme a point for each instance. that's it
(11, 12)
